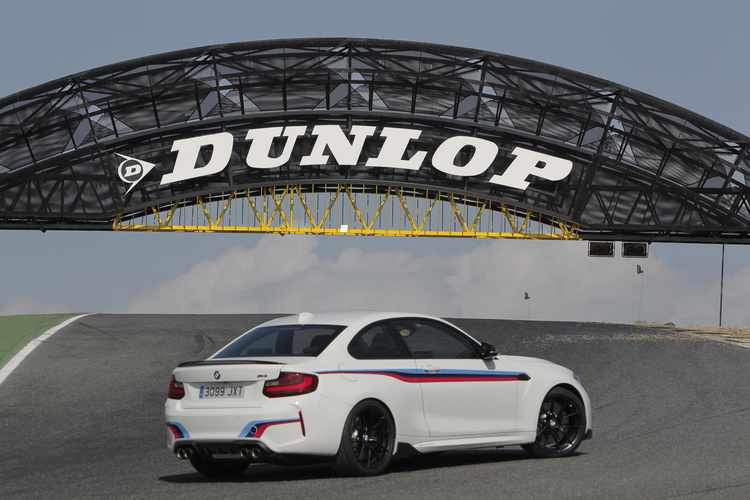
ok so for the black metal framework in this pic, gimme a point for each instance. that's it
(644, 169)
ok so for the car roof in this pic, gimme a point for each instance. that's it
(341, 318)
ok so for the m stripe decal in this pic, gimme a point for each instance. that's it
(256, 428)
(425, 376)
(178, 430)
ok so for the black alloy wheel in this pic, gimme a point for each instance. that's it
(561, 425)
(367, 440)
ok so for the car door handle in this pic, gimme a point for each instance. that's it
(431, 369)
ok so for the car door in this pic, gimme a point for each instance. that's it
(463, 394)
(379, 366)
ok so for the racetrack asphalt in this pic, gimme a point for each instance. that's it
(82, 417)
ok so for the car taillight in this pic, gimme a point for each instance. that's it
(176, 389)
(290, 384)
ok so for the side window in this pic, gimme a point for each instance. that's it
(428, 339)
(378, 341)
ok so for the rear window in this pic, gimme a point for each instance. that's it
(282, 340)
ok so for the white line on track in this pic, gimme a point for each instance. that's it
(11, 365)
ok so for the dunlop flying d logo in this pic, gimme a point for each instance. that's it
(346, 147)
(132, 170)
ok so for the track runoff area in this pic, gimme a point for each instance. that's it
(82, 416)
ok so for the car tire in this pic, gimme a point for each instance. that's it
(561, 425)
(217, 468)
(367, 440)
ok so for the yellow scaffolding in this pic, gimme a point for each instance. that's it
(360, 211)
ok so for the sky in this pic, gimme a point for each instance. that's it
(688, 53)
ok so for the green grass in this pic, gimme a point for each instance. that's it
(17, 331)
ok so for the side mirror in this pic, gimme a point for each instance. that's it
(487, 351)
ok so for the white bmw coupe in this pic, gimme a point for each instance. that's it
(352, 388)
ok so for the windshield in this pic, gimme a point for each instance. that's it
(282, 341)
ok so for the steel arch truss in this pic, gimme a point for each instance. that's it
(348, 210)
(643, 168)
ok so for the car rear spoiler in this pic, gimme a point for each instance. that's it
(212, 362)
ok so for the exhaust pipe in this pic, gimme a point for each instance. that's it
(184, 452)
(251, 452)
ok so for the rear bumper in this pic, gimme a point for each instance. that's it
(305, 425)
(277, 430)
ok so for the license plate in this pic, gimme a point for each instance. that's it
(220, 391)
